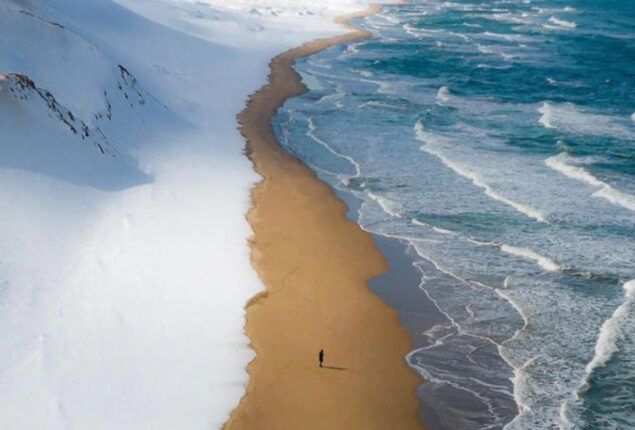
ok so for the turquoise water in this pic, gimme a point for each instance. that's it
(497, 140)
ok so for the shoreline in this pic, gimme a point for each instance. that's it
(315, 265)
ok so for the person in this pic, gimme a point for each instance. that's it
(321, 357)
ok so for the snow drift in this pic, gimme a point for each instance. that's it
(124, 266)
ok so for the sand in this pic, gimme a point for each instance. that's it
(315, 265)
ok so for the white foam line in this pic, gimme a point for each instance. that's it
(564, 423)
(605, 346)
(517, 381)
(431, 333)
(558, 163)
(347, 78)
(569, 118)
(562, 22)
(310, 134)
(446, 271)
(518, 372)
(387, 205)
(437, 229)
(469, 310)
(430, 378)
(476, 180)
(608, 337)
(515, 305)
(616, 197)
(484, 49)
(544, 262)
(334, 97)
(607, 192)
(375, 103)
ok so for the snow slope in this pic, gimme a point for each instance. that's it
(124, 266)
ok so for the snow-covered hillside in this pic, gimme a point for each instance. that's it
(124, 266)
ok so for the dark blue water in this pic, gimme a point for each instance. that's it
(498, 140)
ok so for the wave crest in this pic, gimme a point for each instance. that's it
(607, 192)
(443, 95)
(429, 146)
(562, 22)
(544, 262)
(568, 118)
(609, 336)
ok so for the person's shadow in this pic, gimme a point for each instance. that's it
(334, 368)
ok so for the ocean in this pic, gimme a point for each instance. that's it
(496, 142)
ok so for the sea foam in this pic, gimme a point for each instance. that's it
(609, 335)
(568, 118)
(562, 22)
(429, 146)
(389, 206)
(544, 262)
(607, 192)
(435, 228)
(443, 95)
(311, 134)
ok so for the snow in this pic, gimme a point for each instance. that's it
(124, 264)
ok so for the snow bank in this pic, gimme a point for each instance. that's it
(124, 266)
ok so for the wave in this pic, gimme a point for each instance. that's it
(437, 229)
(507, 36)
(607, 192)
(389, 206)
(378, 104)
(509, 17)
(484, 49)
(409, 29)
(355, 164)
(393, 87)
(333, 98)
(515, 305)
(566, 117)
(428, 138)
(629, 289)
(483, 243)
(443, 95)
(616, 197)
(352, 48)
(558, 163)
(390, 18)
(609, 335)
(562, 22)
(544, 262)
(521, 384)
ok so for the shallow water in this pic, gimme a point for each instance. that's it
(498, 140)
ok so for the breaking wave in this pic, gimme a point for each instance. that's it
(429, 147)
(607, 192)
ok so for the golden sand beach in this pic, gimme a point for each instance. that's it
(315, 265)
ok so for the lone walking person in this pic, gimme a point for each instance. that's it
(321, 357)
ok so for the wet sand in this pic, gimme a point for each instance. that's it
(315, 265)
